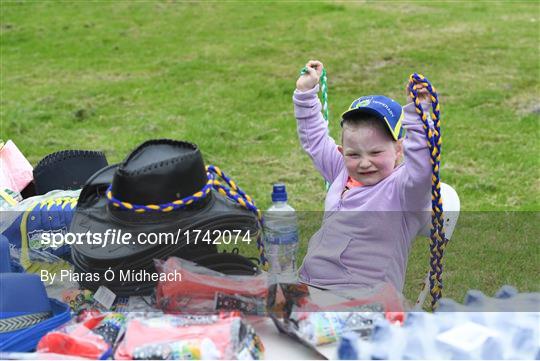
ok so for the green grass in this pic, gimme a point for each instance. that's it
(110, 75)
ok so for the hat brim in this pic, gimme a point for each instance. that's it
(366, 110)
(67, 169)
(26, 340)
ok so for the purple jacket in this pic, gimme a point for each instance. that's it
(366, 235)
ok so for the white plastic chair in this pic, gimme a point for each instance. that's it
(451, 207)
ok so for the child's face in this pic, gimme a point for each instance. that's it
(370, 155)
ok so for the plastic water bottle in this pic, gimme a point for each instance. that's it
(281, 234)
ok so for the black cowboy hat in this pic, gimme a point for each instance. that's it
(126, 198)
(67, 169)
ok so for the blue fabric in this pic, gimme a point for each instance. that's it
(5, 260)
(43, 219)
(22, 293)
(16, 267)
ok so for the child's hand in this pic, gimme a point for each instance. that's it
(421, 90)
(308, 80)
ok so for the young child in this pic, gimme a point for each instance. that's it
(376, 204)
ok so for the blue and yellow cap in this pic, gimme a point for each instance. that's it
(382, 107)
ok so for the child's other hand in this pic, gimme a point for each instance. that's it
(421, 90)
(308, 80)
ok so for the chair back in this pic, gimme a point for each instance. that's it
(451, 207)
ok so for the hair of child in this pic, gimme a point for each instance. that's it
(365, 120)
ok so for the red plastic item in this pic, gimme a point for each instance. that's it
(176, 337)
(384, 294)
(90, 338)
(197, 290)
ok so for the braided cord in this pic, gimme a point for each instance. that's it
(235, 193)
(433, 136)
(324, 92)
(165, 207)
(231, 190)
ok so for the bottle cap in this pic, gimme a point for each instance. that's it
(279, 193)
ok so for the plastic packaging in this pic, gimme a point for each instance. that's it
(37, 356)
(95, 337)
(281, 234)
(78, 300)
(323, 317)
(504, 327)
(178, 337)
(9, 198)
(15, 170)
(202, 290)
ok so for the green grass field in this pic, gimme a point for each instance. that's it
(111, 75)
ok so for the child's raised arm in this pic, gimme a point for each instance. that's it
(312, 128)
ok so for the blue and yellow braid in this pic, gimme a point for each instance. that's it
(437, 235)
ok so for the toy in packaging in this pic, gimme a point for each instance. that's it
(202, 290)
(319, 318)
(194, 337)
(95, 337)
